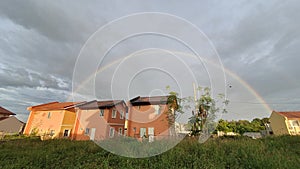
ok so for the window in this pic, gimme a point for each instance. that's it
(142, 132)
(52, 132)
(66, 133)
(151, 131)
(111, 132)
(87, 131)
(157, 109)
(134, 129)
(121, 115)
(294, 123)
(114, 114)
(120, 131)
(101, 112)
(49, 115)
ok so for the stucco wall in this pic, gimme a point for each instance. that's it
(278, 124)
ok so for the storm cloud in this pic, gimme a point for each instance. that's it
(256, 40)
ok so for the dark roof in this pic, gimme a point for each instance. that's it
(3, 118)
(149, 100)
(54, 106)
(292, 114)
(6, 112)
(100, 104)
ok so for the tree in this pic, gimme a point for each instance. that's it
(205, 108)
(242, 126)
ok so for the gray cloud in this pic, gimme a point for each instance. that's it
(40, 40)
(59, 21)
(20, 77)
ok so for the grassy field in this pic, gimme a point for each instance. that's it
(271, 152)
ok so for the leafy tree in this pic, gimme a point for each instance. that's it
(205, 109)
(242, 126)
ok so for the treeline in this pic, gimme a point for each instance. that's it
(242, 126)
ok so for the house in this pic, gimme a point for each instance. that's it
(98, 120)
(5, 113)
(253, 135)
(285, 123)
(51, 120)
(151, 117)
(182, 129)
(9, 124)
(230, 133)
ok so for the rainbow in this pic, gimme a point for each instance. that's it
(227, 72)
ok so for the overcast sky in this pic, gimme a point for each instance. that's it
(257, 42)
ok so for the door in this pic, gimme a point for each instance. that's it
(92, 136)
(66, 133)
(151, 134)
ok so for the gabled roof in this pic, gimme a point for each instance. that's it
(54, 106)
(11, 117)
(153, 100)
(100, 104)
(6, 112)
(292, 114)
(3, 118)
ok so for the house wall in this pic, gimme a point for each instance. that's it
(293, 130)
(278, 124)
(67, 122)
(11, 125)
(89, 119)
(145, 117)
(40, 122)
(92, 120)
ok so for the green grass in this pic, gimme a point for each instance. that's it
(240, 152)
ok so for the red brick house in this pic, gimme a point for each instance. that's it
(149, 116)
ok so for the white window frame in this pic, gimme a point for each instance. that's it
(111, 132)
(121, 115)
(120, 131)
(157, 109)
(114, 114)
(292, 122)
(145, 131)
(101, 112)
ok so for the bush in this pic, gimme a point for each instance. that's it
(238, 152)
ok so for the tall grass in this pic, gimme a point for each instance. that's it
(271, 152)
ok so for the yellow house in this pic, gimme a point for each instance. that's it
(285, 123)
(51, 120)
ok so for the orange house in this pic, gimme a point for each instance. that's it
(51, 120)
(98, 120)
(149, 117)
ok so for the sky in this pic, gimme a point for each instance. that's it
(50, 51)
